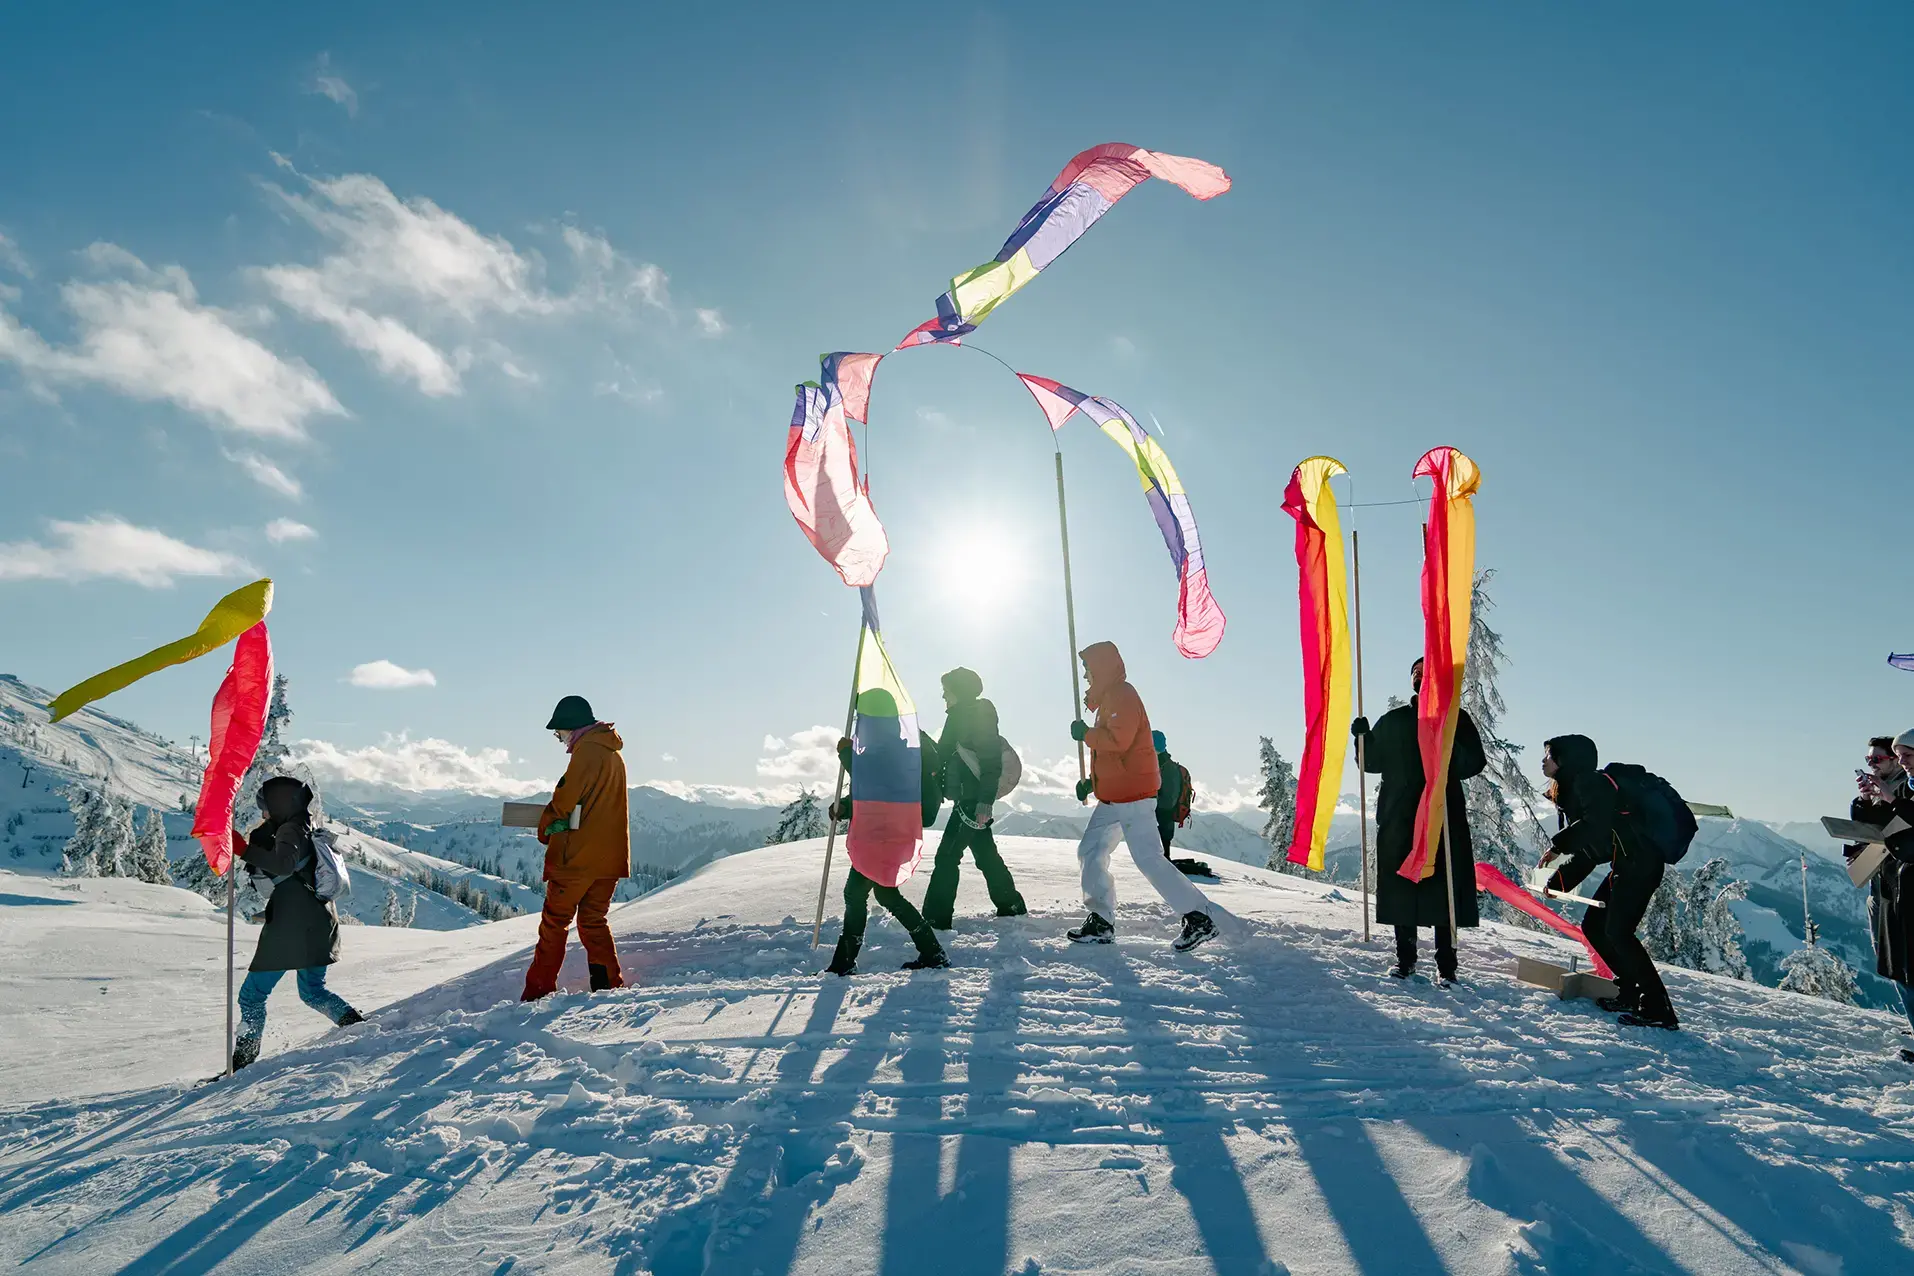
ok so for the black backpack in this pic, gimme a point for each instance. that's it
(1661, 816)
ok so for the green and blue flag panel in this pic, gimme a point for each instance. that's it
(887, 816)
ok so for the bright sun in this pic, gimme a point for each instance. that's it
(983, 569)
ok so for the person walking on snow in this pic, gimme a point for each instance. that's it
(1601, 831)
(1125, 776)
(1393, 751)
(1173, 798)
(972, 755)
(585, 859)
(861, 885)
(1885, 793)
(300, 931)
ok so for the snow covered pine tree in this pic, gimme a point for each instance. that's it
(1503, 791)
(1689, 922)
(1278, 797)
(272, 759)
(1817, 972)
(150, 860)
(117, 838)
(803, 818)
(80, 857)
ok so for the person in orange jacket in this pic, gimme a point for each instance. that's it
(587, 835)
(1125, 776)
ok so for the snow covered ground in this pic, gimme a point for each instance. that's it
(1271, 1103)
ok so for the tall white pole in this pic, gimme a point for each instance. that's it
(232, 908)
(1362, 772)
(1070, 614)
(837, 795)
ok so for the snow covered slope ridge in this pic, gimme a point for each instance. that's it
(134, 762)
(1271, 1103)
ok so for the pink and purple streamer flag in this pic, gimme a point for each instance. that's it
(1903, 662)
(821, 483)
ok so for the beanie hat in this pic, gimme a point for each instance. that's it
(962, 684)
(1905, 740)
(1161, 741)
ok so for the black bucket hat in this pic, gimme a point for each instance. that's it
(572, 713)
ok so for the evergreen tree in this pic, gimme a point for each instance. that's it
(394, 912)
(1503, 792)
(803, 818)
(272, 757)
(117, 839)
(150, 861)
(80, 857)
(1277, 797)
(1690, 923)
(1815, 971)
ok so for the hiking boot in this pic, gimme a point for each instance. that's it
(1197, 929)
(1649, 1019)
(1445, 971)
(1095, 930)
(350, 1017)
(1625, 999)
(928, 961)
(844, 960)
(1018, 909)
(1402, 969)
(245, 1052)
(601, 980)
(1907, 1056)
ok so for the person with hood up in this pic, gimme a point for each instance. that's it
(300, 931)
(1393, 751)
(1601, 832)
(971, 753)
(1885, 793)
(1172, 799)
(586, 830)
(1125, 776)
(883, 877)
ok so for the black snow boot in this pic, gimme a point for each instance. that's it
(1018, 909)
(1197, 929)
(930, 953)
(844, 960)
(1907, 1056)
(350, 1017)
(1095, 930)
(1649, 1015)
(245, 1052)
(1627, 998)
(1402, 969)
(600, 978)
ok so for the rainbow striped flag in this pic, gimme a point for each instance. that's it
(886, 838)
(1322, 590)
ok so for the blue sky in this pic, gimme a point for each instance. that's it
(502, 307)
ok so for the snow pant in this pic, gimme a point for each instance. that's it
(940, 897)
(1166, 829)
(312, 990)
(858, 890)
(1445, 948)
(1135, 823)
(1611, 930)
(590, 900)
(1907, 1001)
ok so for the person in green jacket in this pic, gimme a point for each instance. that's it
(1170, 807)
(971, 752)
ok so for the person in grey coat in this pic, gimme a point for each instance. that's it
(300, 931)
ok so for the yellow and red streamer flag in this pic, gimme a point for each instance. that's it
(239, 723)
(1448, 574)
(230, 617)
(1322, 587)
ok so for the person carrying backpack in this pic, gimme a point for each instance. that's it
(1885, 794)
(300, 931)
(583, 865)
(859, 887)
(970, 728)
(1174, 798)
(1624, 816)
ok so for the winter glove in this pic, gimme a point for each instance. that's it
(841, 810)
(557, 826)
(1359, 727)
(1084, 788)
(1079, 729)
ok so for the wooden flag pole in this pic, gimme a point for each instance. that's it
(1362, 774)
(1070, 613)
(830, 842)
(232, 907)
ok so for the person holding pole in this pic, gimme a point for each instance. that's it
(300, 931)
(972, 754)
(1884, 791)
(1125, 776)
(858, 888)
(1390, 750)
(586, 829)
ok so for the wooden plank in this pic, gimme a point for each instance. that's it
(1586, 983)
(1541, 974)
(1863, 867)
(521, 815)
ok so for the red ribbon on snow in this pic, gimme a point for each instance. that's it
(1493, 880)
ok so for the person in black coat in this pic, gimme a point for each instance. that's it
(300, 931)
(972, 754)
(1390, 749)
(1600, 832)
(1885, 793)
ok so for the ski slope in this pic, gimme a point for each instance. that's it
(1270, 1103)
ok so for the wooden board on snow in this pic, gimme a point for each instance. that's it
(1563, 982)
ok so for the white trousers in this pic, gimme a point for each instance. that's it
(1135, 822)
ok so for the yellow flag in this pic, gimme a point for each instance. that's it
(230, 617)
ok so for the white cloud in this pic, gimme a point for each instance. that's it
(606, 277)
(107, 547)
(266, 474)
(807, 758)
(383, 675)
(711, 323)
(1124, 347)
(327, 83)
(667, 758)
(11, 258)
(395, 349)
(146, 335)
(417, 765)
(281, 530)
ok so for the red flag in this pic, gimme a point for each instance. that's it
(239, 722)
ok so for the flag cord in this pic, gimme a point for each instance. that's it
(837, 795)
(1362, 771)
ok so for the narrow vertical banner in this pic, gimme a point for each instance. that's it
(1448, 573)
(886, 837)
(1322, 591)
(238, 724)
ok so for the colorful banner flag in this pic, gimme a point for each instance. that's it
(1493, 880)
(1087, 188)
(1328, 668)
(821, 483)
(1903, 662)
(1448, 576)
(230, 617)
(886, 838)
(1199, 620)
(239, 722)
